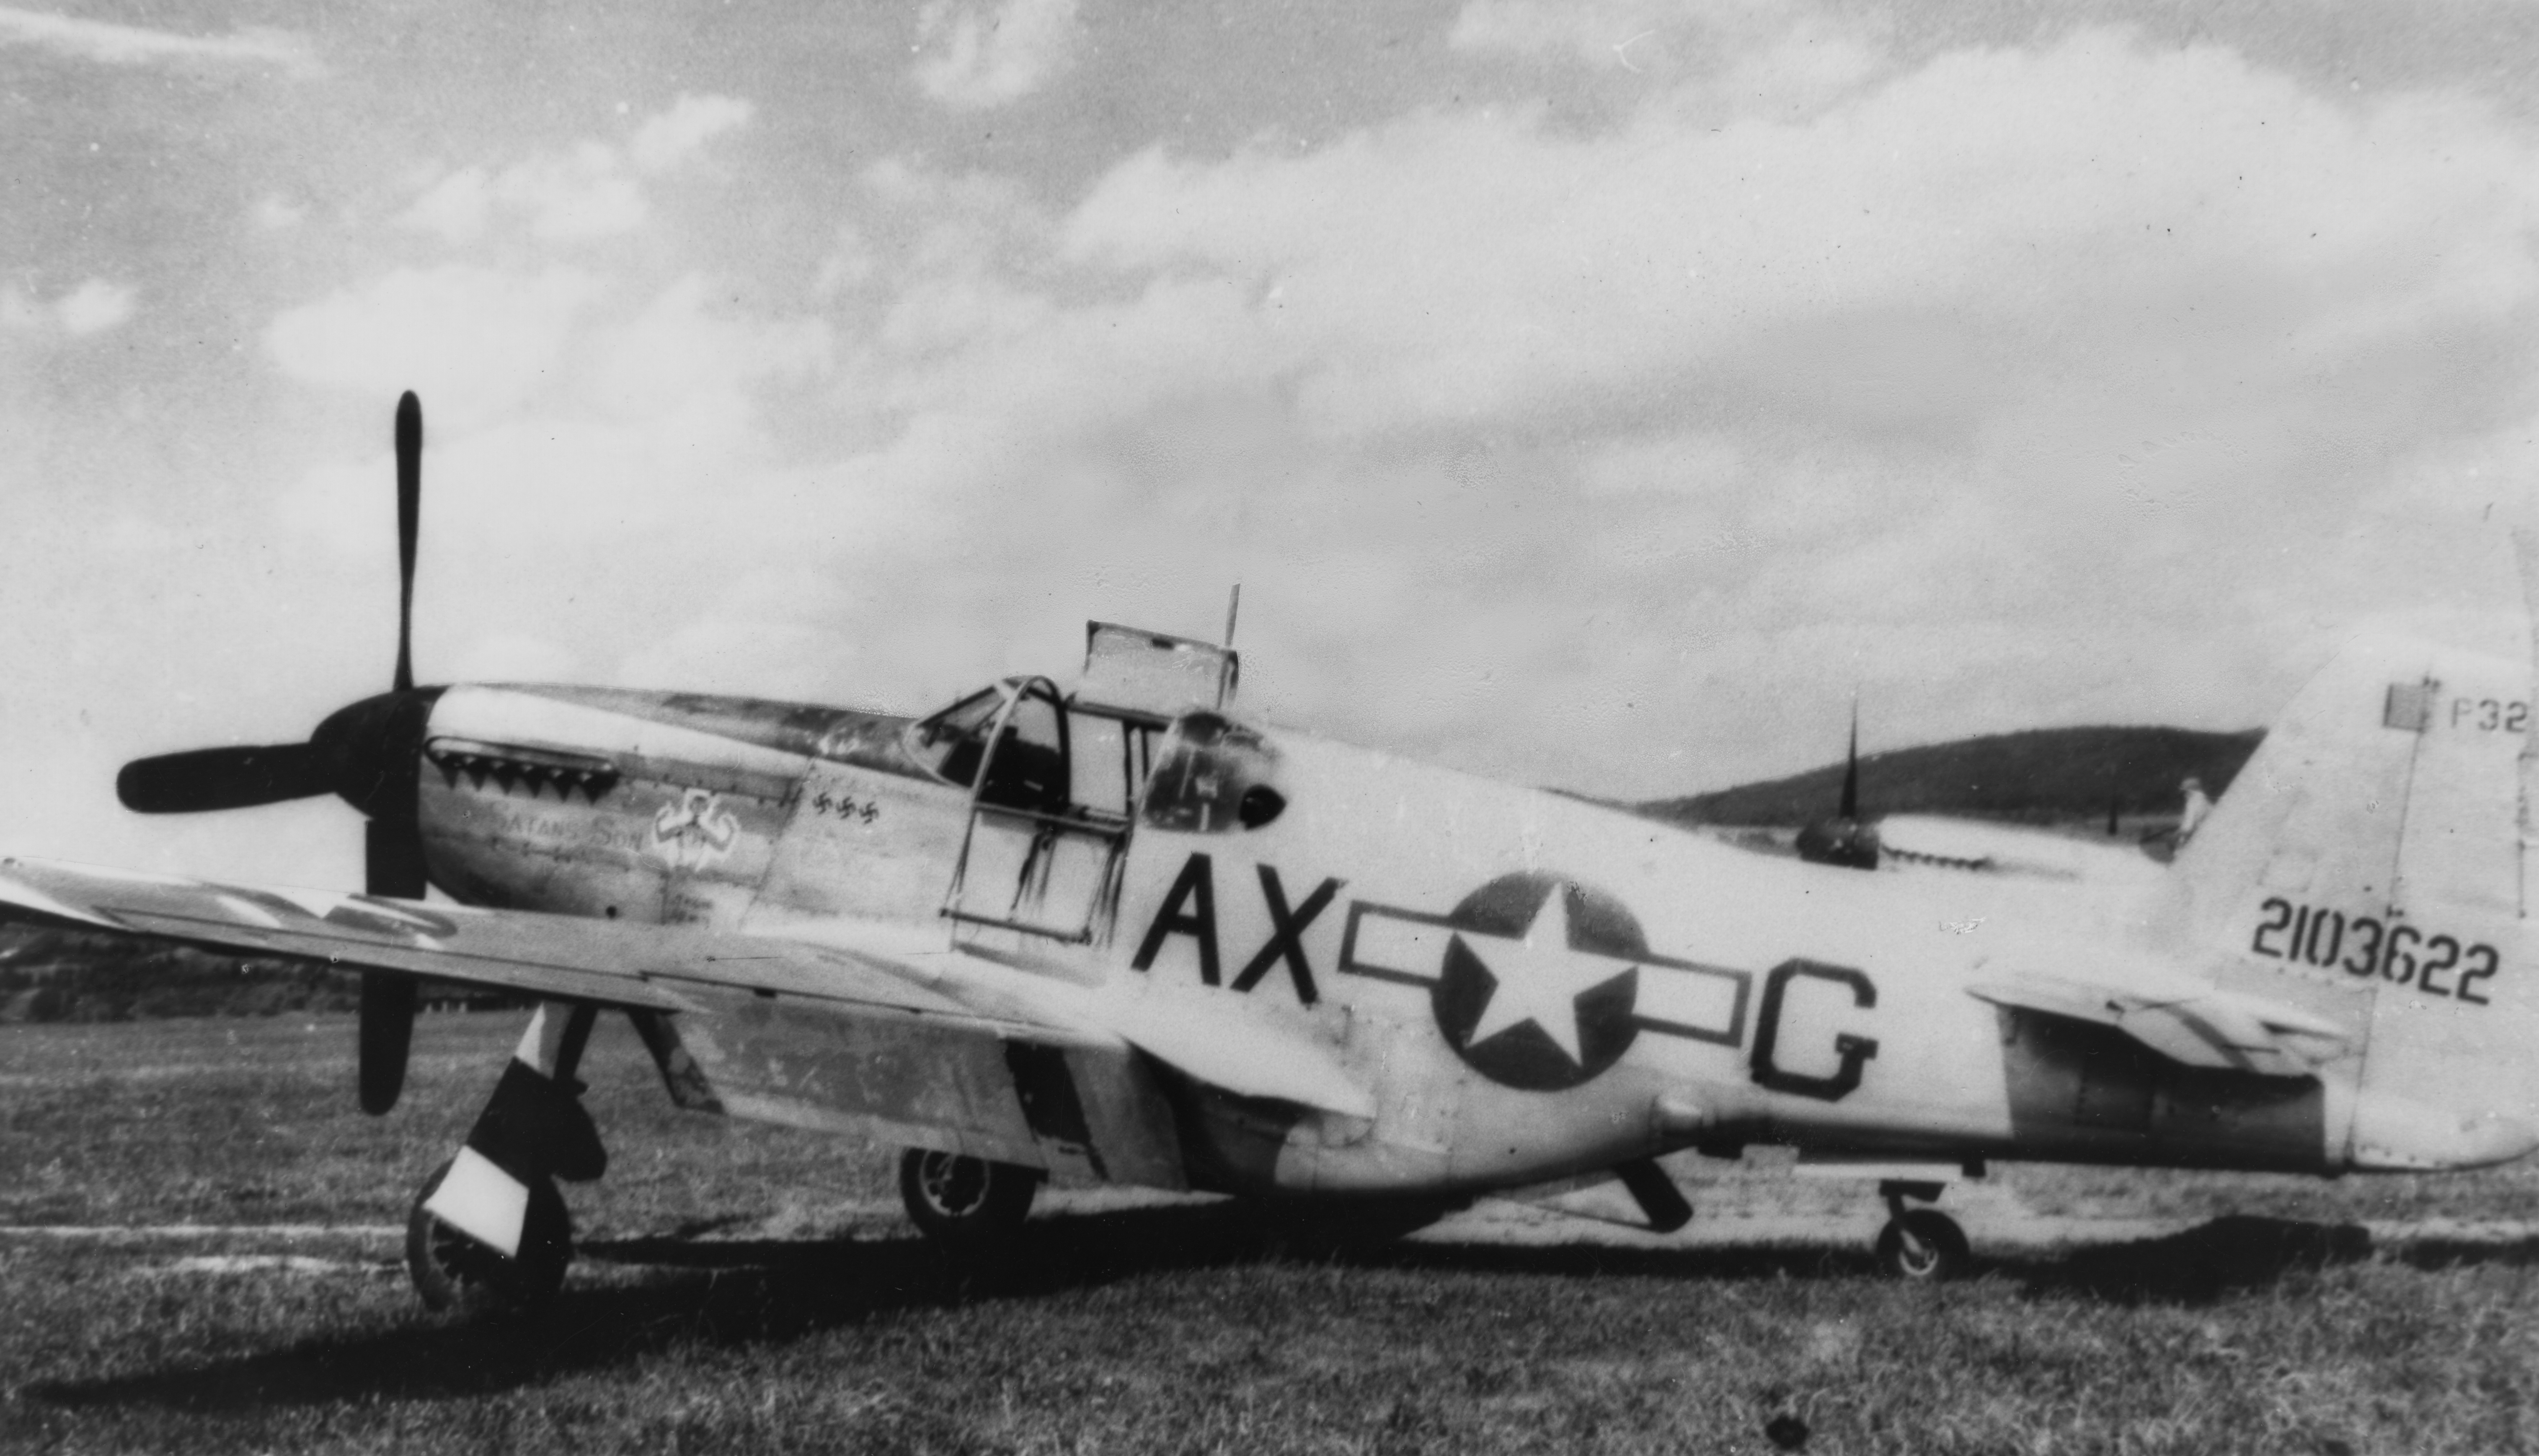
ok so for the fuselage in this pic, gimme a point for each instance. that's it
(1530, 985)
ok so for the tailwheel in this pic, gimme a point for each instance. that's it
(451, 1271)
(1923, 1245)
(968, 1206)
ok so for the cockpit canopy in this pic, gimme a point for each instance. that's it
(1019, 734)
(952, 744)
(1155, 673)
(1047, 753)
(1090, 754)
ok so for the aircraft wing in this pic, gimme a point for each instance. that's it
(2195, 1027)
(861, 972)
(560, 957)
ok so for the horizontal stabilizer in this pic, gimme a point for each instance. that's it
(2217, 1030)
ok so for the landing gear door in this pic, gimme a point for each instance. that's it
(1036, 860)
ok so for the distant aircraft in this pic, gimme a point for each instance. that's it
(1120, 933)
(1850, 841)
(1846, 840)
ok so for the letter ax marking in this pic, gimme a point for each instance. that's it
(1286, 934)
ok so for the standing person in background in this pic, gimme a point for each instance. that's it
(2197, 807)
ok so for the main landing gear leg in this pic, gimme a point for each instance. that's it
(1923, 1245)
(972, 1208)
(488, 1230)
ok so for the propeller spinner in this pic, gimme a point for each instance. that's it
(368, 754)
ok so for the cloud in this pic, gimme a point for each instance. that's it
(1874, 259)
(678, 350)
(114, 44)
(678, 134)
(275, 213)
(1604, 453)
(981, 59)
(574, 197)
(457, 206)
(1988, 382)
(598, 476)
(475, 342)
(92, 308)
(850, 264)
(21, 314)
(1744, 57)
(586, 192)
(1598, 31)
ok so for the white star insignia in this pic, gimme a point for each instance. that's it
(1540, 977)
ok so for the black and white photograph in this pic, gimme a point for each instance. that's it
(1413, 726)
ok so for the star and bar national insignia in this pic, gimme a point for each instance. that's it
(1541, 983)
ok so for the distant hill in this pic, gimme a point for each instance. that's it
(2037, 776)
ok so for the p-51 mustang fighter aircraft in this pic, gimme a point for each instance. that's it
(1119, 933)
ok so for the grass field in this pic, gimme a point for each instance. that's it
(738, 1293)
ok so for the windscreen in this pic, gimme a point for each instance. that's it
(952, 744)
(1213, 776)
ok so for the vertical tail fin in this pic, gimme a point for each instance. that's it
(2392, 781)
(2368, 863)
(2525, 544)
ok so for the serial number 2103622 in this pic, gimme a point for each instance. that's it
(2364, 945)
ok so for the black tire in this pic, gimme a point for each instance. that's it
(453, 1272)
(966, 1205)
(1924, 1246)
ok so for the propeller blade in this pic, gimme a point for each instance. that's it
(387, 1033)
(409, 468)
(377, 742)
(369, 752)
(221, 779)
(395, 858)
(393, 852)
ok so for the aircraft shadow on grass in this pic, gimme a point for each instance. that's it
(742, 1292)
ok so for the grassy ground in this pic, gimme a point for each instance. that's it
(804, 1324)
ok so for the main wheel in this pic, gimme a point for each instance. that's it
(1923, 1245)
(968, 1204)
(452, 1271)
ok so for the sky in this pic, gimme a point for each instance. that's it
(1595, 395)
